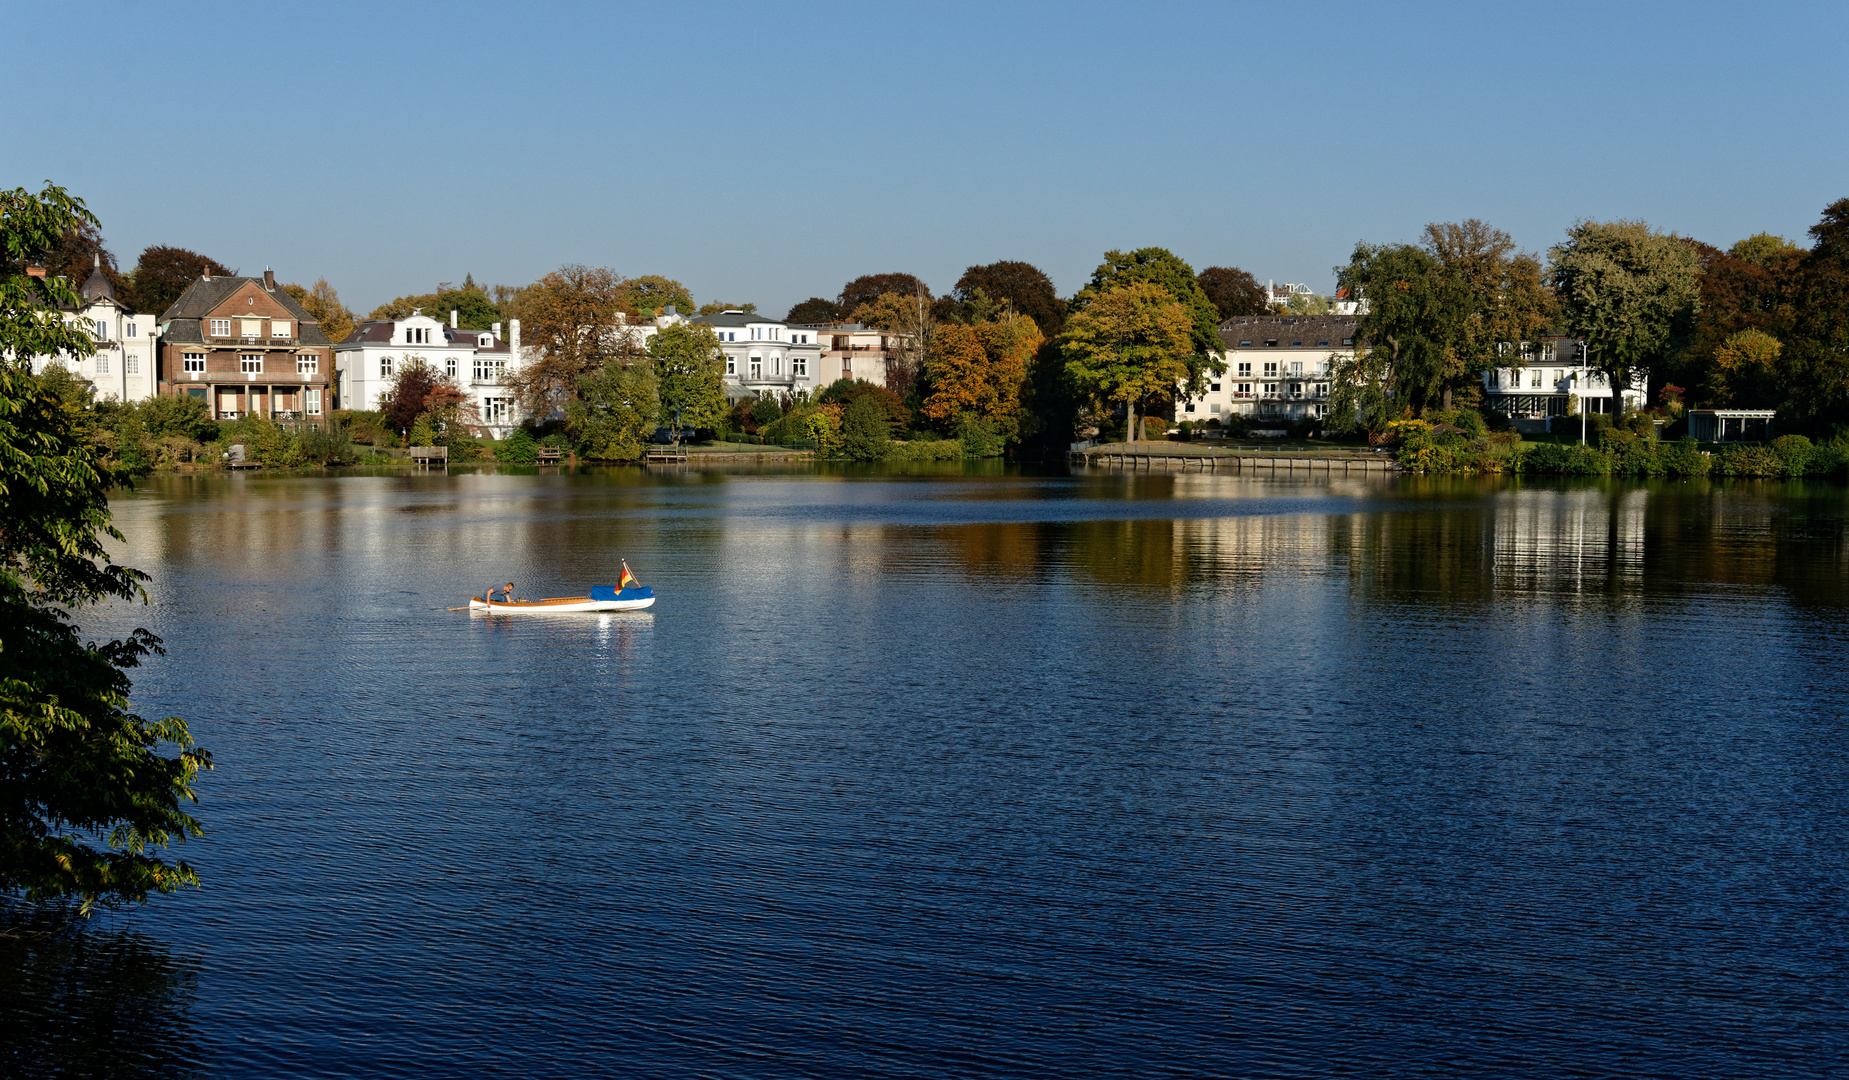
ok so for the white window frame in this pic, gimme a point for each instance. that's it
(192, 361)
(308, 364)
(250, 363)
(221, 327)
(131, 364)
(102, 363)
(279, 328)
(311, 400)
(385, 367)
(449, 366)
(731, 364)
(799, 366)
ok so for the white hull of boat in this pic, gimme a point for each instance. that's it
(567, 606)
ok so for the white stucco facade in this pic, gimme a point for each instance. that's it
(367, 364)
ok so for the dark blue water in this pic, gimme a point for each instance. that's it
(986, 775)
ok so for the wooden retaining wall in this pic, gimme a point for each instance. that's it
(1232, 461)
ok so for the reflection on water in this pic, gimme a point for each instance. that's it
(96, 1002)
(987, 773)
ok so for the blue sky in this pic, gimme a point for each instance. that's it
(769, 152)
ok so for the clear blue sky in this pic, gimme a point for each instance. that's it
(768, 152)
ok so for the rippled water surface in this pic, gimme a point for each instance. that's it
(984, 775)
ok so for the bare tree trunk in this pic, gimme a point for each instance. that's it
(1130, 411)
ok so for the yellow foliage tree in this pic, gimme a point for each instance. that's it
(1130, 343)
(977, 373)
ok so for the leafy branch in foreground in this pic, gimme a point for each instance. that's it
(87, 800)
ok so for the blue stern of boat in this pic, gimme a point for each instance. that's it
(610, 592)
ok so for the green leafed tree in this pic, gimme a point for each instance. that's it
(1130, 342)
(1012, 285)
(651, 294)
(1629, 292)
(614, 410)
(1162, 268)
(88, 799)
(813, 311)
(689, 374)
(1816, 362)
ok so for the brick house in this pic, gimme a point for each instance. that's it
(244, 346)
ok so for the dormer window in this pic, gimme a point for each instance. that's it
(484, 342)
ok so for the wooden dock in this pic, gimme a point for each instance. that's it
(665, 455)
(1180, 456)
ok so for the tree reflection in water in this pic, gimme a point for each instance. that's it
(89, 1001)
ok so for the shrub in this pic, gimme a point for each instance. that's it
(1796, 452)
(866, 431)
(978, 441)
(764, 411)
(926, 450)
(520, 448)
(1562, 460)
(1185, 429)
(327, 446)
(1740, 460)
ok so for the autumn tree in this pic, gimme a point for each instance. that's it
(976, 374)
(88, 801)
(720, 307)
(323, 303)
(1162, 268)
(1130, 342)
(1746, 287)
(1817, 356)
(568, 319)
(814, 311)
(163, 273)
(1628, 291)
(689, 374)
(412, 383)
(1492, 297)
(79, 253)
(1012, 285)
(868, 288)
(911, 323)
(1232, 291)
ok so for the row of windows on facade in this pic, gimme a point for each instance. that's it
(799, 366)
(1244, 369)
(306, 364)
(1272, 343)
(1549, 353)
(251, 328)
(101, 332)
(1513, 378)
(485, 370)
(770, 333)
(311, 403)
(1275, 391)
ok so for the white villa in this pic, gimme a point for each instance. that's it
(1277, 368)
(123, 366)
(1552, 381)
(368, 361)
(764, 355)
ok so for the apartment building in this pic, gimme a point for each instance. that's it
(246, 348)
(1277, 368)
(1550, 378)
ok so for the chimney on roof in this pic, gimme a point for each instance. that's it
(207, 276)
(513, 338)
(269, 279)
(497, 330)
(452, 318)
(671, 311)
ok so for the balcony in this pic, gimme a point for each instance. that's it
(239, 341)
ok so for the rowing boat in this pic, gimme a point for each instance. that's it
(602, 598)
(627, 595)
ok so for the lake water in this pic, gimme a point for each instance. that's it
(983, 774)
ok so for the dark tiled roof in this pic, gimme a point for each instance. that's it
(202, 296)
(183, 331)
(728, 319)
(1312, 330)
(379, 331)
(98, 287)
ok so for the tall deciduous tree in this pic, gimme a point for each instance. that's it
(322, 302)
(814, 310)
(163, 273)
(1232, 291)
(1130, 342)
(1628, 291)
(651, 294)
(689, 374)
(1738, 294)
(614, 410)
(868, 288)
(976, 374)
(1020, 286)
(912, 323)
(1399, 356)
(1817, 357)
(87, 800)
(1492, 296)
(1162, 268)
(473, 307)
(79, 253)
(569, 322)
